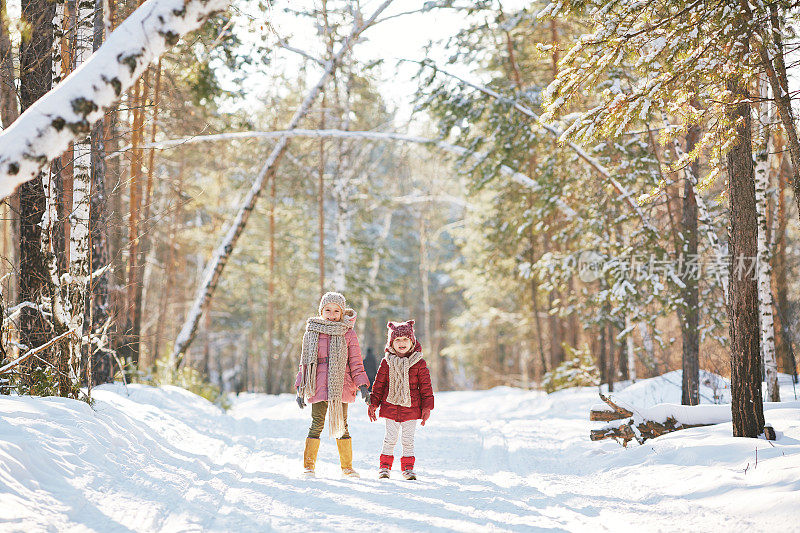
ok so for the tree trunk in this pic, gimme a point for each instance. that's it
(554, 331)
(79, 235)
(170, 269)
(343, 192)
(321, 201)
(101, 368)
(785, 348)
(9, 108)
(441, 378)
(534, 284)
(763, 264)
(116, 218)
(770, 48)
(629, 350)
(271, 359)
(649, 348)
(321, 161)
(747, 408)
(612, 370)
(602, 358)
(135, 231)
(35, 60)
(690, 310)
(374, 269)
(144, 239)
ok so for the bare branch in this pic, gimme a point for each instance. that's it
(34, 351)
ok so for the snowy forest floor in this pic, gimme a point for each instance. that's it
(163, 459)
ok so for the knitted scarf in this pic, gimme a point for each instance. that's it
(337, 365)
(399, 390)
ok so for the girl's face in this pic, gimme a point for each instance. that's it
(332, 312)
(401, 344)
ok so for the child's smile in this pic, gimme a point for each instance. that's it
(332, 312)
(402, 344)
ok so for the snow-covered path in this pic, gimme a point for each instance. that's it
(165, 460)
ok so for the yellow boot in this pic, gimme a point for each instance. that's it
(346, 457)
(310, 456)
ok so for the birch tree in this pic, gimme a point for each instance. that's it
(764, 255)
(79, 246)
(66, 113)
(100, 366)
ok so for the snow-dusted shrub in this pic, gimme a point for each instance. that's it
(578, 370)
(186, 377)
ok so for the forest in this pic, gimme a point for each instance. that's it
(561, 193)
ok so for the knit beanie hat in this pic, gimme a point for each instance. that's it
(332, 298)
(401, 329)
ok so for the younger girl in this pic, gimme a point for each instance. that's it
(331, 370)
(403, 391)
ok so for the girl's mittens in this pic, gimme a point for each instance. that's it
(426, 414)
(300, 402)
(371, 413)
(364, 392)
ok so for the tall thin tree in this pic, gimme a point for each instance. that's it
(747, 409)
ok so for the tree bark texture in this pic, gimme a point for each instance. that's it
(747, 408)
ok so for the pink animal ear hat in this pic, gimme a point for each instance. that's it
(402, 329)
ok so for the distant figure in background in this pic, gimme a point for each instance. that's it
(370, 366)
(331, 372)
(404, 394)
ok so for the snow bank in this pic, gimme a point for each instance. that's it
(667, 389)
(163, 459)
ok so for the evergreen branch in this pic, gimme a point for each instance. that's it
(598, 167)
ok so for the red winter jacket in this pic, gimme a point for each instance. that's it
(419, 382)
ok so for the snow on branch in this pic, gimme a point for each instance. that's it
(66, 113)
(514, 175)
(596, 165)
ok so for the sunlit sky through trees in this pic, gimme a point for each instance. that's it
(404, 33)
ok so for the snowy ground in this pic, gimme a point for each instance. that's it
(151, 459)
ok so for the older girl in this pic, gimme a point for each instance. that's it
(331, 371)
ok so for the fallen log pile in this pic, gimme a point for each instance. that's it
(635, 428)
(626, 423)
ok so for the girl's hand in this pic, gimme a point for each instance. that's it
(371, 413)
(364, 393)
(300, 401)
(426, 414)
